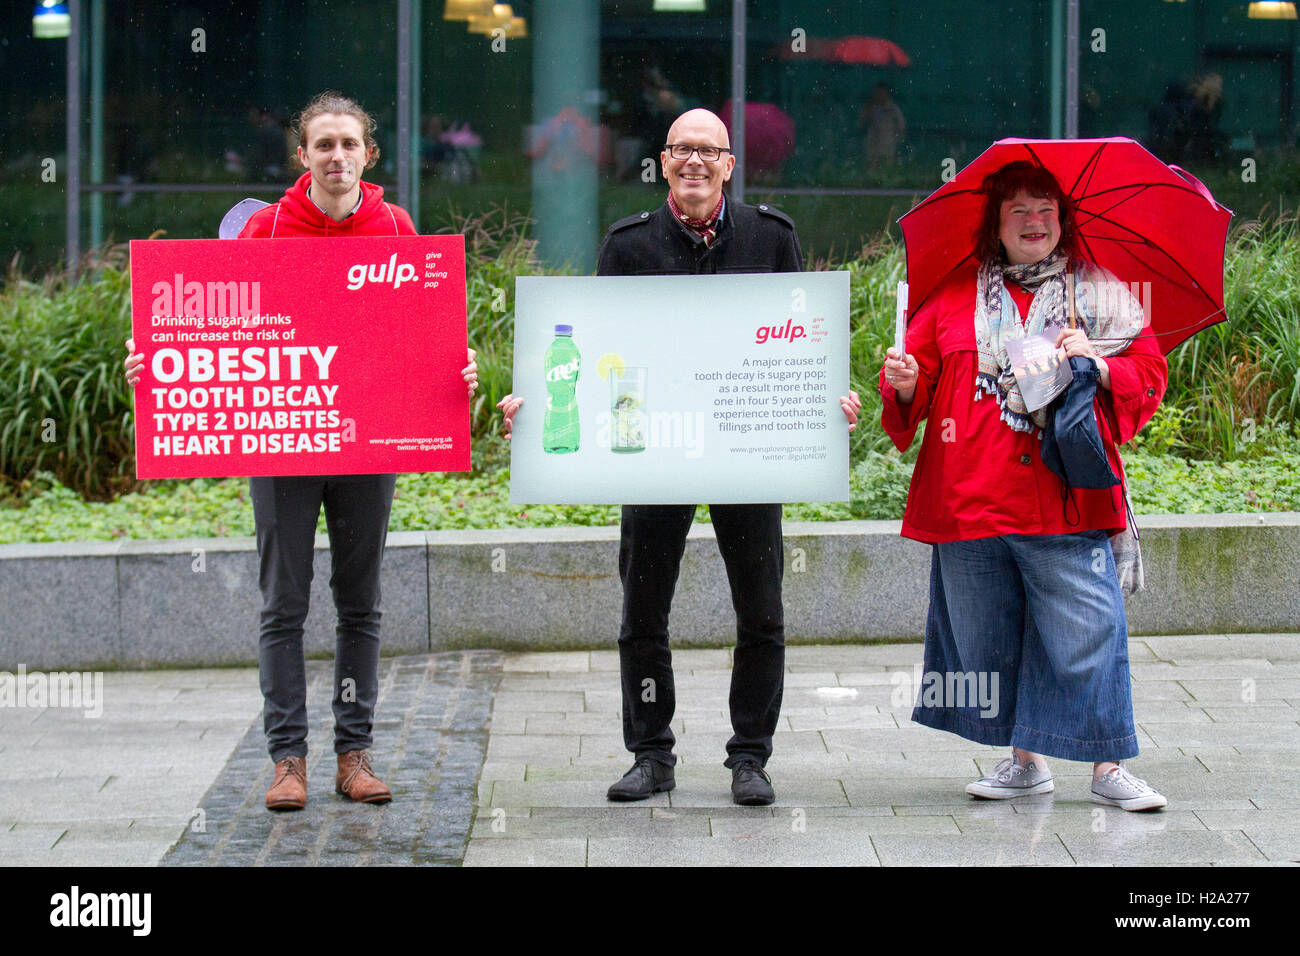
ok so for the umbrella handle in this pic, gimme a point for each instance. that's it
(1195, 183)
(1069, 288)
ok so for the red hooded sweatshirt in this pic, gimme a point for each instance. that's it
(296, 215)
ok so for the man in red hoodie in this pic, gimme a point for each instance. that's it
(335, 145)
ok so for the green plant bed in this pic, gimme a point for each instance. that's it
(43, 510)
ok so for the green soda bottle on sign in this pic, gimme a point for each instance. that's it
(560, 432)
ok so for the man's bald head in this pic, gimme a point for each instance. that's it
(694, 183)
(700, 121)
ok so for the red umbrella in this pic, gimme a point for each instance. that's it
(869, 51)
(864, 51)
(1137, 217)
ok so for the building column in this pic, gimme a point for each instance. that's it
(565, 139)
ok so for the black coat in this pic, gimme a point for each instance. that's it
(751, 239)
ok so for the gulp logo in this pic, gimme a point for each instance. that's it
(562, 373)
(789, 332)
(390, 271)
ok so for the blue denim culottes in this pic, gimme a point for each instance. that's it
(1026, 643)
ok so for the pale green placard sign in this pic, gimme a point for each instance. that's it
(720, 389)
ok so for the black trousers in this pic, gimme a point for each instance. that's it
(653, 538)
(285, 511)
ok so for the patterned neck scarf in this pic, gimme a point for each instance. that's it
(1105, 309)
(706, 229)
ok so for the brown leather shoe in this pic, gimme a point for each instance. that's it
(357, 781)
(289, 789)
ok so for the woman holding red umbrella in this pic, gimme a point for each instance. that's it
(1024, 591)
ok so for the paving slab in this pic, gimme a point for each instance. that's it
(870, 791)
(1153, 763)
(563, 662)
(1280, 845)
(1175, 846)
(1242, 690)
(942, 763)
(1227, 761)
(1159, 690)
(1281, 668)
(556, 701)
(1139, 650)
(1170, 711)
(716, 723)
(533, 748)
(815, 820)
(561, 852)
(986, 850)
(810, 678)
(575, 724)
(503, 770)
(912, 737)
(1196, 791)
(845, 657)
(597, 774)
(794, 850)
(823, 764)
(604, 701)
(1271, 712)
(1204, 670)
(633, 822)
(1259, 737)
(1078, 817)
(1275, 801)
(968, 813)
(558, 681)
(1273, 647)
(702, 659)
(515, 722)
(837, 696)
(1253, 819)
(844, 718)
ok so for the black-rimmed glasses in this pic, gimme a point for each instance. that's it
(710, 154)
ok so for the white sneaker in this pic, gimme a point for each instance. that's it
(1119, 788)
(1011, 778)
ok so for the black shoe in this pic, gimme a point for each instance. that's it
(750, 784)
(646, 778)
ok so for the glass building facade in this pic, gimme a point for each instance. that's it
(852, 110)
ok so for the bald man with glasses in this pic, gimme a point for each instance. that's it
(698, 231)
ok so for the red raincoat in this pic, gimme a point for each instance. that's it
(976, 477)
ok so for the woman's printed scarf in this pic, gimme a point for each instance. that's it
(1105, 308)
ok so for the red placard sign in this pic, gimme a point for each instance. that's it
(300, 356)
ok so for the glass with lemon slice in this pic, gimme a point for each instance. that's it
(626, 403)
